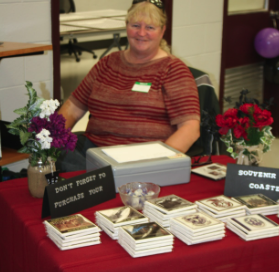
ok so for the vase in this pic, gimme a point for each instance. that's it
(36, 177)
(249, 155)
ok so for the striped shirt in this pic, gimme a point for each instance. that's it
(122, 116)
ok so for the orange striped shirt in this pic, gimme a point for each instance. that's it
(122, 116)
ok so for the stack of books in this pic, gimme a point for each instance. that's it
(110, 220)
(258, 203)
(221, 207)
(197, 228)
(145, 239)
(72, 232)
(162, 209)
(253, 227)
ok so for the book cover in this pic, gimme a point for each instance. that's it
(254, 223)
(121, 215)
(145, 232)
(214, 171)
(70, 225)
(220, 204)
(256, 201)
(170, 204)
(198, 222)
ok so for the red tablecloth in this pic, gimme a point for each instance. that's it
(25, 246)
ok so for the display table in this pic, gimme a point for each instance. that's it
(25, 246)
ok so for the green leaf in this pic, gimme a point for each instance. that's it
(21, 111)
(24, 149)
(14, 131)
(24, 136)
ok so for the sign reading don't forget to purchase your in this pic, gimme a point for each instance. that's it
(245, 180)
(78, 193)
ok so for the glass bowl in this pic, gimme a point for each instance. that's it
(135, 193)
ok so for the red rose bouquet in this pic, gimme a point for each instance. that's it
(246, 130)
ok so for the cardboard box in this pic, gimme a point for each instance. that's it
(163, 171)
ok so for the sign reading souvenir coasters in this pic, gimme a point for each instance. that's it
(245, 180)
(78, 193)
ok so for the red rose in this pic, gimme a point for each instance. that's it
(247, 108)
(262, 118)
(226, 121)
(240, 129)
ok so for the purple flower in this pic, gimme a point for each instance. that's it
(37, 124)
(61, 137)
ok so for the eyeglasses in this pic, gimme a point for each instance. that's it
(196, 161)
(158, 3)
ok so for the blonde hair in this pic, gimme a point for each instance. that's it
(149, 13)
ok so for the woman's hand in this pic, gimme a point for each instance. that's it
(71, 113)
(187, 133)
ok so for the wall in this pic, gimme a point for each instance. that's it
(197, 35)
(30, 22)
(24, 21)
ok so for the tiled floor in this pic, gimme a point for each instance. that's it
(73, 72)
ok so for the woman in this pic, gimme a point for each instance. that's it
(138, 95)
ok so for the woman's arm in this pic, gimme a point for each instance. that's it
(71, 112)
(187, 133)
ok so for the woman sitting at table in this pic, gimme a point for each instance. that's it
(138, 95)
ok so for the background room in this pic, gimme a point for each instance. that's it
(200, 35)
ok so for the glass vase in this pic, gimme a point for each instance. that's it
(36, 177)
(249, 155)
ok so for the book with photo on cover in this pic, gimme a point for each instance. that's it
(220, 204)
(145, 233)
(170, 204)
(121, 216)
(252, 227)
(258, 203)
(214, 171)
(70, 225)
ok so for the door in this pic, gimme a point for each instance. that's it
(239, 31)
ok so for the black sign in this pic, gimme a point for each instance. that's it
(247, 180)
(78, 193)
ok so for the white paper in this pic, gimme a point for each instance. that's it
(123, 154)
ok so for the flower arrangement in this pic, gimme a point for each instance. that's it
(41, 129)
(245, 129)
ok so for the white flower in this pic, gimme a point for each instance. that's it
(44, 138)
(48, 107)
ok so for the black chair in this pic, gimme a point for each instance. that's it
(208, 103)
(67, 6)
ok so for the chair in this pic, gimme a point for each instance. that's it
(208, 103)
(67, 6)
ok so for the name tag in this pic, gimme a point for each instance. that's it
(141, 87)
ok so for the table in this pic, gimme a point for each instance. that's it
(25, 246)
(94, 24)
(11, 49)
(92, 14)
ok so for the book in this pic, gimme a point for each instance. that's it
(220, 204)
(145, 233)
(258, 203)
(198, 222)
(72, 231)
(197, 228)
(255, 226)
(170, 204)
(145, 239)
(111, 219)
(71, 225)
(215, 171)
